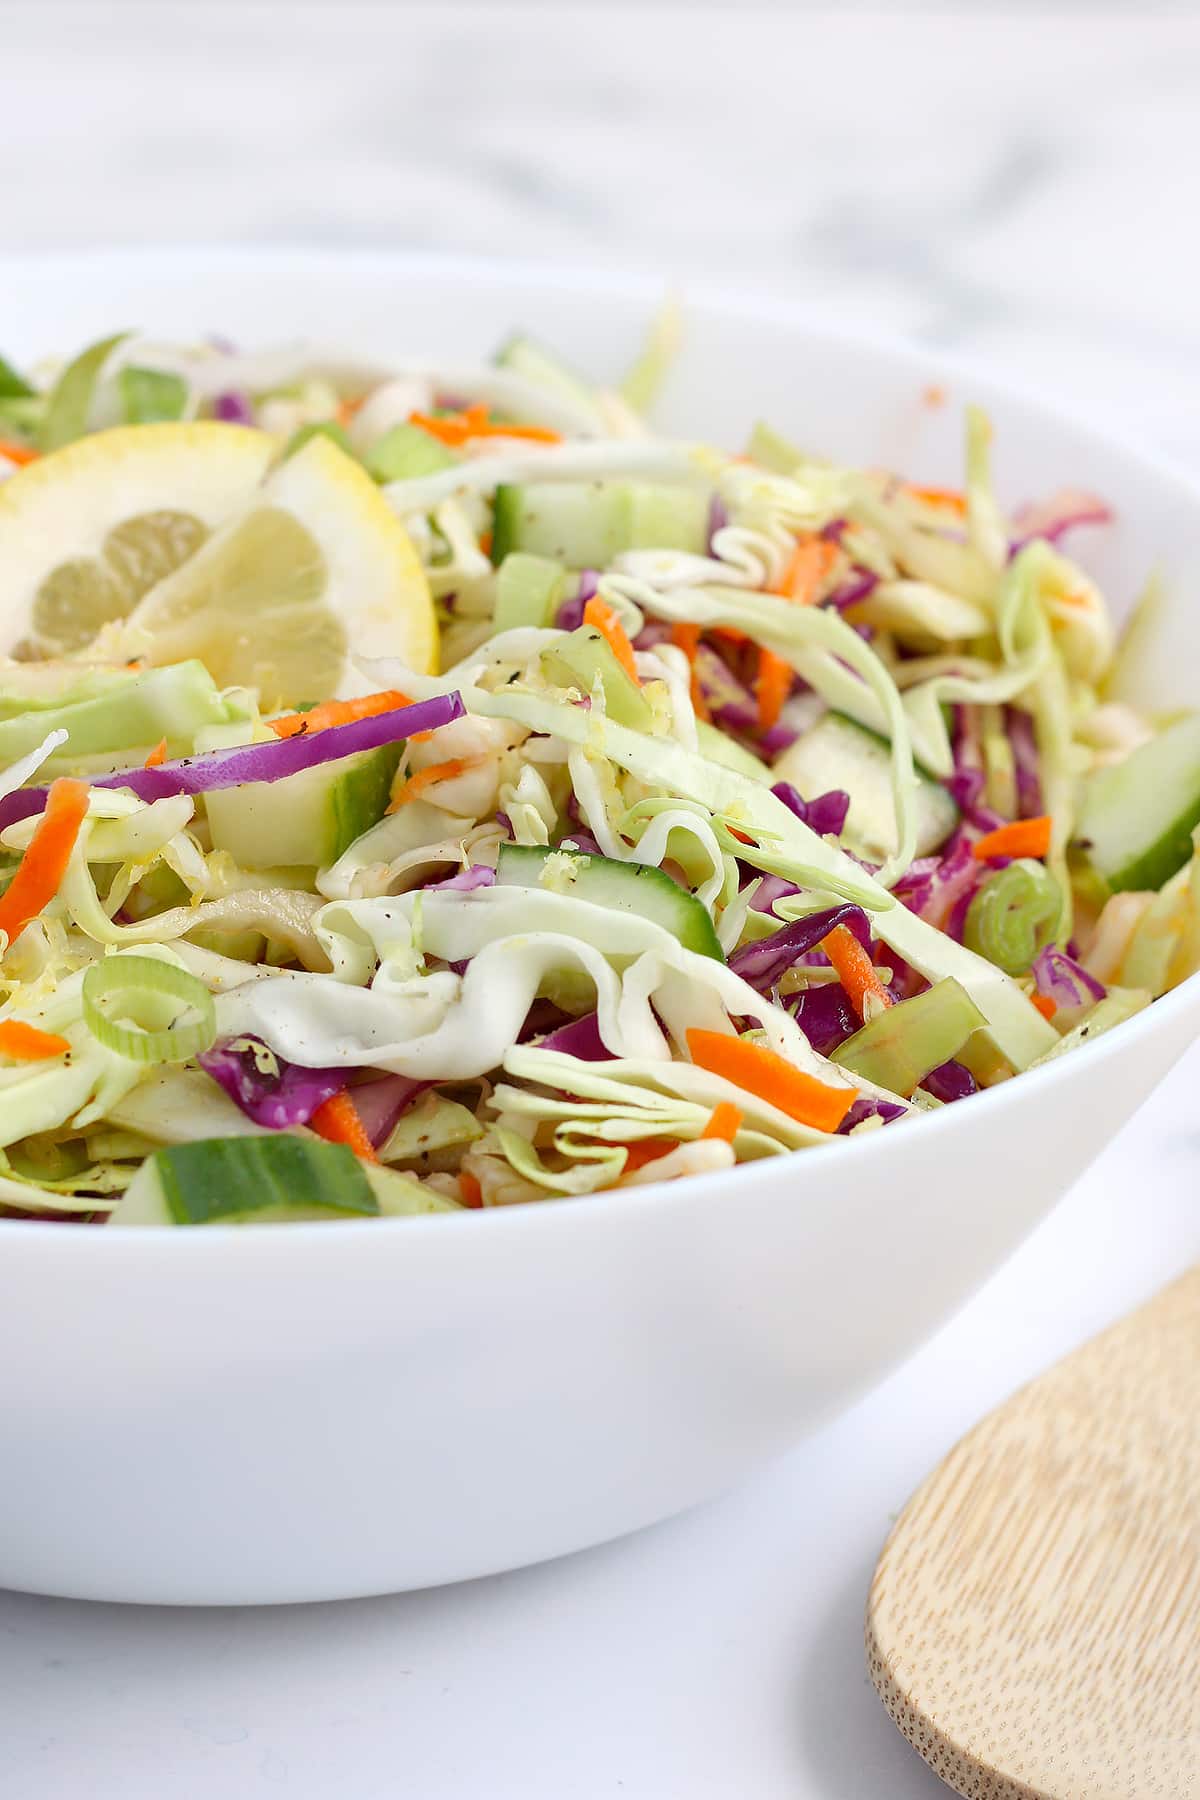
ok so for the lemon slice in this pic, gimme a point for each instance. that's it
(315, 570)
(85, 532)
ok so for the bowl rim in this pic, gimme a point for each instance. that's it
(735, 302)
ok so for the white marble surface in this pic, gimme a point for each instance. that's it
(1017, 188)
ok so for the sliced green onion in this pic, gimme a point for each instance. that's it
(70, 401)
(285, 1177)
(149, 396)
(1014, 915)
(899, 1046)
(126, 1000)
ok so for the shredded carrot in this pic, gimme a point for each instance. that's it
(949, 498)
(470, 1189)
(600, 614)
(1045, 1005)
(338, 1120)
(25, 1043)
(485, 542)
(855, 971)
(741, 837)
(40, 872)
(760, 1071)
(772, 685)
(686, 638)
(1024, 837)
(811, 562)
(17, 453)
(728, 634)
(455, 428)
(424, 778)
(647, 1150)
(337, 712)
(348, 408)
(725, 1121)
(699, 703)
(157, 755)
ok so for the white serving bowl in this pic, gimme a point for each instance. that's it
(321, 1411)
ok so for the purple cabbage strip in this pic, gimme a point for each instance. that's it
(762, 964)
(465, 882)
(580, 1038)
(233, 408)
(653, 633)
(770, 889)
(569, 616)
(718, 519)
(825, 815)
(776, 739)
(857, 586)
(824, 1014)
(1025, 755)
(865, 1107)
(258, 762)
(935, 893)
(1049, 519)
(1064, 980)
(949, 1082)
(276, 1101)
(580, 842)
(731, 703)
(380, 1103)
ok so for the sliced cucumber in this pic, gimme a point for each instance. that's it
(617, 886)
(266, 1180)
(579, 657)
(528, 590)
(838, 753)
(1136, 818)
(898, 1047)
(586, 523)
(406, 452)
(718, 747)
(543, 369)
(307, 819)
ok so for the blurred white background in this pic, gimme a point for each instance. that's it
(1015, 185)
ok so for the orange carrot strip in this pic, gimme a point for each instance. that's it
(41, 869)
(348, 408)
(699, 703)
(1045, 1004)
(25, 1043)
(950, 498)
(337, 712)
(470, 1189)
(452, 431)
(811, 562)
(647, 1150)
(760, 1071)
(17, 453)
(338, 1120)
(686, 638)
(485, 542)
(855, 970)
(728, 634)
(443, 771)
(1024, 837)
(157, 755)
(599, 613)
(725, 1121)
(535, 434)
(772, 685)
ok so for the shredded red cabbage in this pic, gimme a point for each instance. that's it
(865, 1107)
(580, 1038)
(942, 893)
(826, 815)
(730, 702)
(289, 1097)
(247, 763)
(1050, 518)
(824, 1014)
(466, 881)
(233, 408)
(949, 1082)
(380, 1103)
(1024, 749)
(857, 586)
(718, 519)
(770, 889)
(762, 964)
(569, 616)
(1064, 980)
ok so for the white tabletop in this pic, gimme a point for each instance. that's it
(1004, 187)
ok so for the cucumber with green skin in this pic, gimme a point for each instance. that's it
(528, 590)
(626, 887)
(584, 524)
(839, 753)
(719, 747)
(305, 820)
(280, 1179)
(542, 368)
(575, 661)
(1136, 818)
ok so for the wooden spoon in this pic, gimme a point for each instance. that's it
(1034, 1622)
